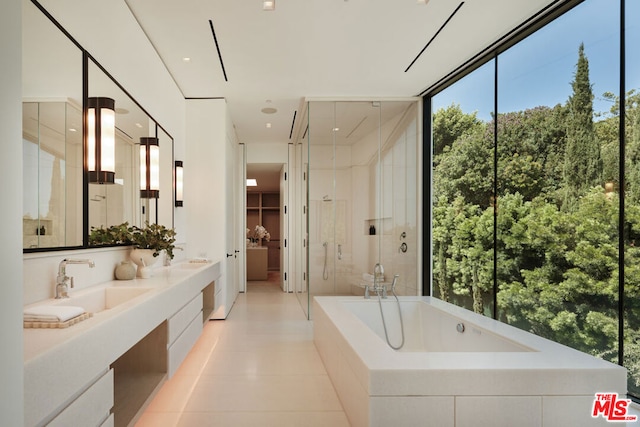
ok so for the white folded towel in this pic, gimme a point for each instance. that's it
(51, 313)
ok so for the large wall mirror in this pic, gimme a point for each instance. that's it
(52, 134)
(56, 214)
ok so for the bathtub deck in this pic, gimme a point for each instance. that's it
(546, 384)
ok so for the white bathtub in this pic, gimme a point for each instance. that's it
(490, 375)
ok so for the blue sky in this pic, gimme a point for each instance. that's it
(539, 70)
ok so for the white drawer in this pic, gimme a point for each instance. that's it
(179, 321)
(179, 350)
(91, 408)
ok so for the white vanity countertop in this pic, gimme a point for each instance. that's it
(60, 362)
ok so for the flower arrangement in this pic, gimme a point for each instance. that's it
(257, 234)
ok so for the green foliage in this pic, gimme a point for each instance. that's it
(151, 236)
(113, 235)
(464, 170)
(156, 237)
(450, 124)
(583, 164)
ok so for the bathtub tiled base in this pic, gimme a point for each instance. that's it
(380, 387)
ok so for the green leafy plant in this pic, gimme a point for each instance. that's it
(156, 237)
(113, 235)
(151, 236)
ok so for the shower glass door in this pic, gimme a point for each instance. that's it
(360, 176)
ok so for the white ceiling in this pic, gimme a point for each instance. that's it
(317, 48)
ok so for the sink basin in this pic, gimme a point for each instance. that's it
(95, 301)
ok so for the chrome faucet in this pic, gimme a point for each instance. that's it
(64, 282)
(378, 288)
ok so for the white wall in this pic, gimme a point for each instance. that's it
(267, 153)
(204, 178)
(11, 357)
(208, 183)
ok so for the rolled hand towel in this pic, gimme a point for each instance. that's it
(52, 313)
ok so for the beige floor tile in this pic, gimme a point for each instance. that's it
(159, 419)
(263, 419)
(259, 367)
(174, 395)
(282, 360)
(263, 393)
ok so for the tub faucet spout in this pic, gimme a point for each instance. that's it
(378, 276)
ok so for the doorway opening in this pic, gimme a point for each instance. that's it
(264, 224)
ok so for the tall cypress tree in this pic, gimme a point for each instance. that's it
(583, 164)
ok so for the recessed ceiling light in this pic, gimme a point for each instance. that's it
(269, 110)
(268, 125)
(335, 129)
(121, 111)
(422, 1)
(139, 125)
(269, 5)
(252, 182)
(72, 130)
(186, 59)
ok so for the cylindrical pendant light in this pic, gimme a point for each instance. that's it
(179, 182)
(101, 140)
(149, 168)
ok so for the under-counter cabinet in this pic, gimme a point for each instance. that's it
(104, 370)
(184, 329)
(91, 408)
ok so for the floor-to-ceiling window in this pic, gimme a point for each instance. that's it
(462, 197)
(554, 242)
(557, 180)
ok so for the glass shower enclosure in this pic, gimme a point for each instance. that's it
(360, 185)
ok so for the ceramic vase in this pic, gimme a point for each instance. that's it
(144, 259)
(125, 271)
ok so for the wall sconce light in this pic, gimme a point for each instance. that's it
(101, 140)
(179, 180)
(149, 168)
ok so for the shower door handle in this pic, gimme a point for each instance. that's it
(339, 252)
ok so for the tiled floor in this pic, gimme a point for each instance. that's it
(257, 368)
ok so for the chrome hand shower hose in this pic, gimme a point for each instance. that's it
(325, 272)
(384, 324)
